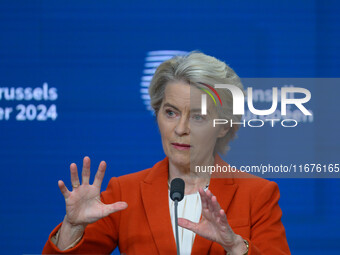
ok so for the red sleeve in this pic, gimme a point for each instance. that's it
(100, 237)
(267, 232)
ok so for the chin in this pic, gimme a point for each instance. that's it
(181, 161)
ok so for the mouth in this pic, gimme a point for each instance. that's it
(181, 146)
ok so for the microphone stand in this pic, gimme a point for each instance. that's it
(177, 194)
(176, 226)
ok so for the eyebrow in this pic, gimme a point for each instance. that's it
(191, 110)
(170, 105)
(199, 110)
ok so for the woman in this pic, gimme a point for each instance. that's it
(218, 215)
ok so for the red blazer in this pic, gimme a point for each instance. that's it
(251, 205)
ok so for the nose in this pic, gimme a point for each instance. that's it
(183, 126)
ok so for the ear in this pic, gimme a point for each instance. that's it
(223, 131)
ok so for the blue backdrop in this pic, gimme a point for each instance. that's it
(71, 84)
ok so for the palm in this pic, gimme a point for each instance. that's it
(214, 227)
(83, 205)
(214, 224)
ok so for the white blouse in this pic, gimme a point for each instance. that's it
(189, 208)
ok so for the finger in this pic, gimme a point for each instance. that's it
(115, 207)
(63, 189)
(85, 174)
(223, 217)
(98, 179)
(209, 202)
(204, 200)
(216, 206)
(209, 194)
(184, 223)
(74, 176)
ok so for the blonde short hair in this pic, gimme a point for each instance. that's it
(197, 68)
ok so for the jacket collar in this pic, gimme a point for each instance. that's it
(155, 196)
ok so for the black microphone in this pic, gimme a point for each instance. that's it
(176, 194)
(177, 189)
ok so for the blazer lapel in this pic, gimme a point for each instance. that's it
(154, 190)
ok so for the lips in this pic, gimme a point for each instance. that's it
(181, 146)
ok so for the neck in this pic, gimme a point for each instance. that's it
(193, 180)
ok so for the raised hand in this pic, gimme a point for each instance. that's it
(83, 205)
(214, 225)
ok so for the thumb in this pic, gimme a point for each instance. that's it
(184, 223)
(115, 207)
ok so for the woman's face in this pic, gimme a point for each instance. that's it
(188, 137)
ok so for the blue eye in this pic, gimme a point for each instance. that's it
(197, 117)
(170, 113)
